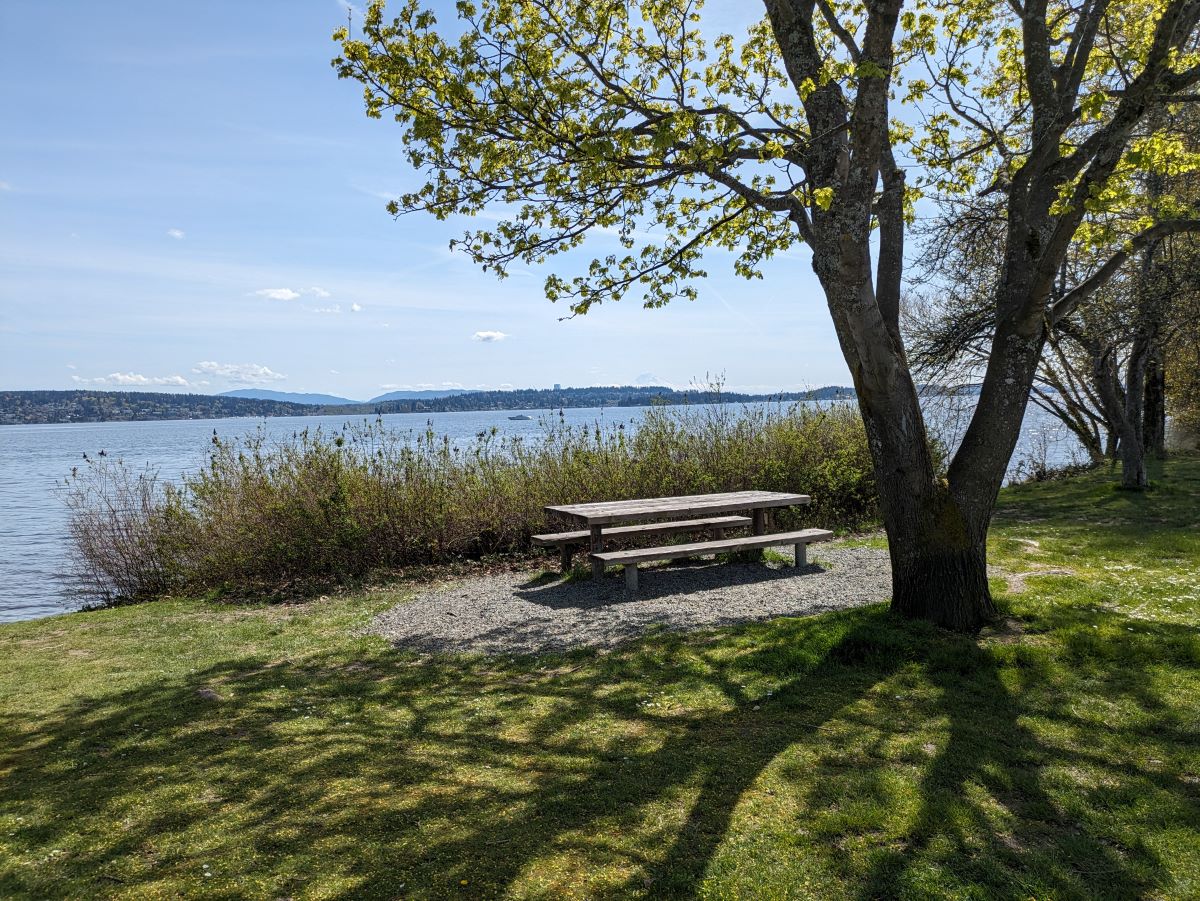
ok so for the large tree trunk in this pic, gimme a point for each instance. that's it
(939, 565)
(937, 544)
(938, 550)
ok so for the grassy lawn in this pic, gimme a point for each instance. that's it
(186, 749)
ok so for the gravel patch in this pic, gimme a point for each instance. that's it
(526, 613)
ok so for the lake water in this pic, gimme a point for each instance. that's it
(35, 459)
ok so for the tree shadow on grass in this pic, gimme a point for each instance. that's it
(613, 775)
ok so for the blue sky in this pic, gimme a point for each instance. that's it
(191, 200)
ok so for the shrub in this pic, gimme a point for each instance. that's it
(268, 516)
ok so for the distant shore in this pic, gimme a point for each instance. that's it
(47, 407)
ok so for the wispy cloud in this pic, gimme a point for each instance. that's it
(5, 186)
(336, 308)
(292, 294)
(277, 293)
(489, 337)
(131, 379)
(176, 233)
(245, 373)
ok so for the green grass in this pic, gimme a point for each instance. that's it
(842, 756)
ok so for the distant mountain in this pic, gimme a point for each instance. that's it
(418, 395)
(289, 397)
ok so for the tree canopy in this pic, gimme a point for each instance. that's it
(564, 116)
(825, 123)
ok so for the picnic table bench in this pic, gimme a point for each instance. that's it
(603, 520)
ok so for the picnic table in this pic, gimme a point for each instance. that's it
(660, 515)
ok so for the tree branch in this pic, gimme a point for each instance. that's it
(1066, 304)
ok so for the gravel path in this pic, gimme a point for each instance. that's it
(518, 613)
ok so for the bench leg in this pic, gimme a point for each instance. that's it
(802, 555)
(597, 547)
(564, 557)
(758, 528)
(631, 578)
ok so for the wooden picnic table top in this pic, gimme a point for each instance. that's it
(607, 512)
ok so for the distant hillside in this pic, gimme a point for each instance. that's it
(291, 397)
(119, 406)
(605, 396)
(18, 407)
(417, 395)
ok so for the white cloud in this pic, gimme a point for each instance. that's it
(355, 308)
(5, 186)
(126, 379)
(277, 293)
(316, 292)
(72, 366)
(489, 337)
(247, 373)
(336, 308)
(176, 233)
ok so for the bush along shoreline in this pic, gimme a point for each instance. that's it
(269, 518)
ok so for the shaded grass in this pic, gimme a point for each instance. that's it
(843, 755)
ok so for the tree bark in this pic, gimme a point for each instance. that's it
(1133, 451)
(939, 571)
(937, 548)
(1154, 416)
(1133, 465)
(1123, 407)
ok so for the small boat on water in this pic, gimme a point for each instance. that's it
(521, 416)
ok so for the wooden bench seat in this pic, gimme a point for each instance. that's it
(564, 540)
(630, 558)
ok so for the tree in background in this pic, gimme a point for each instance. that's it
(1181, 370)
(1103, 369)
(566, 117)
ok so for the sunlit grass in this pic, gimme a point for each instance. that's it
(185, 748)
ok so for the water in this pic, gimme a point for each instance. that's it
(35, 459)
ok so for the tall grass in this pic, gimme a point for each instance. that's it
(264, 516)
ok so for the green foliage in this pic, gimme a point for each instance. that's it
(323, 509)
(569, 116)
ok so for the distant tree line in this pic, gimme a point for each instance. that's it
(622, 396)
(18, 407)
(118, 406)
